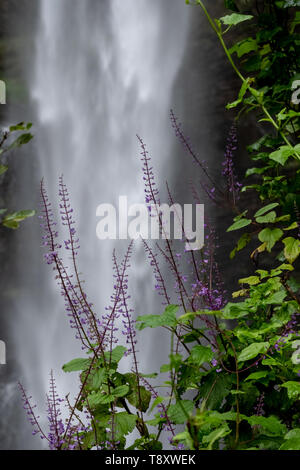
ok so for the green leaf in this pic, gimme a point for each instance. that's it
(291, 444)
(251, 280)
(124, 423)
(98, 378)
(99, 398)
(267, 219)
(200, 354)
(21, 140)
(139, 398)
(116, 354)
(255, 376)
(215, 435)
(235, 310)
(239, 224)
(13, 220)
(265, 209)
(168, 318)
(235, 18)
(244, 47)
(271, 424)
(293, 433)
(282, 154)
(243, 241)
(179, 412)
(293, 389)
(76, 365)
(120, 391)
(253, 350)
(3, 169)
(270, 237)
(291, 249)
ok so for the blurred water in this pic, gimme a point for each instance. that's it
(103, 71)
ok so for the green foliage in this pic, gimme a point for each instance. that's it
(233, 385)
(9, 142)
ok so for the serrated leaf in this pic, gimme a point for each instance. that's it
(99, 398)
(179, 412)
(168, 318)
(124, 423)
(98, 378)
(271, 424)
(200, 354)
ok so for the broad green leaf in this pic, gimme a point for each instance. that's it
(235, 310)
(271, 424)
(76, 365)
(13, 220)
(293, 433)
(253, 350)
(168, 318)
(291, 444)
(239, 224)
(293, 389)
(267, 219)
(200, 355)
(120, 391)
(98, 378)
(215, 435)
(291, 249)
(99, 398)
(255, 376)
(139, 398)
(265, 209)
(179, 412)
(124, 423)
(270, 237)
(244, 47)
(282, 154)
(235, 18)
(116, 354)
(251, 280)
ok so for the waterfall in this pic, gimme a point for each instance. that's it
(102, 72)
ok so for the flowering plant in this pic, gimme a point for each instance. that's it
(233, 369)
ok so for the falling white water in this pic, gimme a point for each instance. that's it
(103, 72)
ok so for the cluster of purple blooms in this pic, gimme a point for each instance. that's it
(233, 186)
(200, 288)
